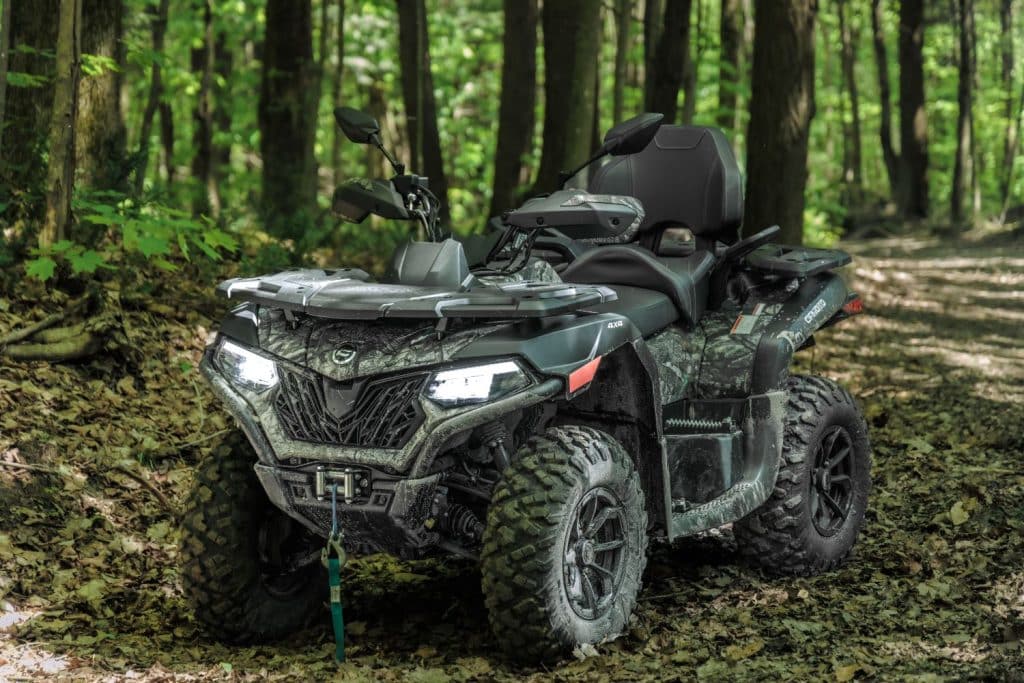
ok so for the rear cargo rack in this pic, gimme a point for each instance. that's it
(795, 262)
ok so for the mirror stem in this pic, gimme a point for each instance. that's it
(566, 177)
(399, 168)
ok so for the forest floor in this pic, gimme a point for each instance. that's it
(96, 457)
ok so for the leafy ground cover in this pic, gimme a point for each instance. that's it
(95, 459)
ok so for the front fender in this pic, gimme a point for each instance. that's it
(557, 346)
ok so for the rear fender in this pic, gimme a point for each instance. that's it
(813, 305)
(748, 351)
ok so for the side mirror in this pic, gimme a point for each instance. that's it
(357, 126)
(633, 135)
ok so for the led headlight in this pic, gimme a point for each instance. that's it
(476, 384)
(245, 368)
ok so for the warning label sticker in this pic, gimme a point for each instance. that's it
(746, 321)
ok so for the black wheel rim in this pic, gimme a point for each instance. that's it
(285, 555)
(595, 548)
(831, 485)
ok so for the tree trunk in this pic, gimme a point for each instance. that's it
(5, 46)
(852, 149)
(202, 118)
(691, 66)
(418, 94)
(572, 41)
(963, 164)
(27, 110)
(1018, 118)
(159, 28)
(287, 119)
(654, 14)
(60, 175)
(913, 167)
(377, 107)
(99, 127)
(167, 140)
(670, 58)
(884, 96)
(623, 38)
(336, 97)
(518, 99)
(223, 60)
(781, 109)
(731, 42)
(1007, 73)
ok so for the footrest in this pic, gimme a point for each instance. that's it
(703, 466)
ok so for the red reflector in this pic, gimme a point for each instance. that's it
(582, 376)
(854, 306)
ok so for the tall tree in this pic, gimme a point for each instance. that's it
(730, 36)
(5, 47)
(27, 110)
(99, 129)
(884, 95)
(670, 57)
(781, 109)
(623, 16)
(223, 61)
(518, 94)
(1007, 72)
(572, 40)
(691, 65)
(654, 14)
(418, 95)
(158, 19)
(336, 97)
(913, 167)
(963, 167)
(60, 174)
(852, 150)
(202, 118)
(287, 118)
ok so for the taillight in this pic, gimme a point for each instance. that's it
(854, 306)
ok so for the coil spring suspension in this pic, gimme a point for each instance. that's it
(700, 426)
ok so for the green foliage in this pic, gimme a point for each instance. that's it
(156, 232)
(18, 79)
(94, 65)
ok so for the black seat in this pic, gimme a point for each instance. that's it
(684, 280)
(686, 176)
(650, 311)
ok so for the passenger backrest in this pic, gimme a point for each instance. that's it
(687, 175)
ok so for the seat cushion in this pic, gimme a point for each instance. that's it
(650, 311)
(683, 279)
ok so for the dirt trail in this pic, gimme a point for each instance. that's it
(88, 585)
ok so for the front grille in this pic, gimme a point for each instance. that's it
(385, 413)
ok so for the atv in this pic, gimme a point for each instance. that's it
(609, 364)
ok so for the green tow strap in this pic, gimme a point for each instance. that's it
(333, 557)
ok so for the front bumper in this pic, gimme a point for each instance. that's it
(387, 515)
(400, 491)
